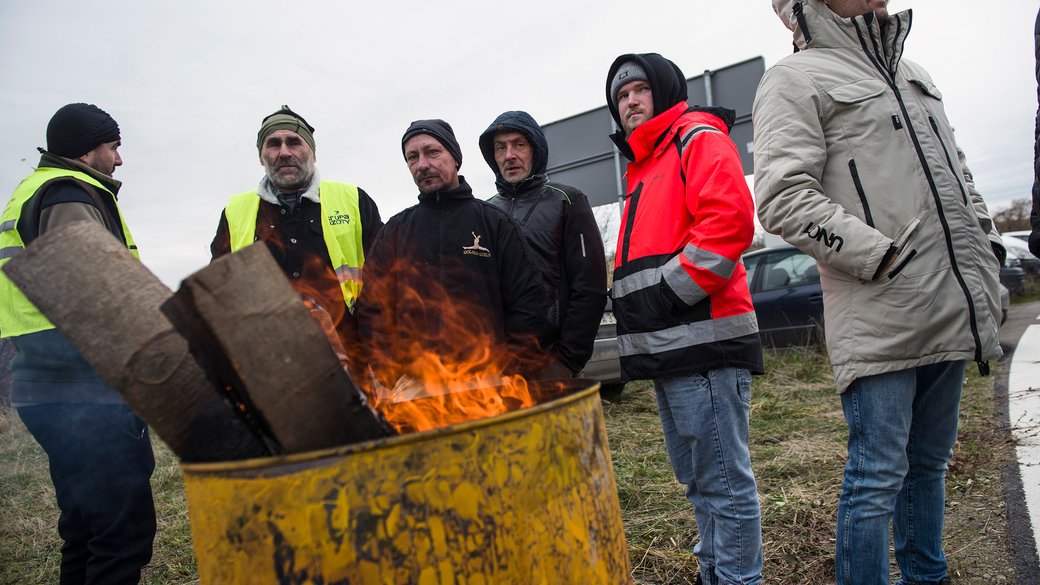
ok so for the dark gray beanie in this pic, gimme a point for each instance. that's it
(76, 129)
(628, 72)
(441, 131)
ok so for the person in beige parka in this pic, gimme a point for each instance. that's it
(856, 164)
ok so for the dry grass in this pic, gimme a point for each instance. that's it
(29, 542)
(798, 437)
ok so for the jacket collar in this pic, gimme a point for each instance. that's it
(648, 135)
(460, 193)
(529, 185)
(51, 160)
(815, 26)
(269, 192)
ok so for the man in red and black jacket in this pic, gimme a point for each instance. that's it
(684, 313)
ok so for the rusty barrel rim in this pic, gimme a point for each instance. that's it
(285, 464)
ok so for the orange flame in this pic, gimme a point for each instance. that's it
(414, 387)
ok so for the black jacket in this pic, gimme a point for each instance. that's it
(558, 224)
(450, 276)
(1034, 216)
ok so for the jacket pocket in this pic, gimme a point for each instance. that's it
(905, 251)
(867, 216)
(857, 91)
(905, 233)
(927, 87)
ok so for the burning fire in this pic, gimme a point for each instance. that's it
(420, 379)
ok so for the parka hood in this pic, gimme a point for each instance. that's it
(815, 25)
(667, 82)
(516, 121)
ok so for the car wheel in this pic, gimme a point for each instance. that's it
(611, 390)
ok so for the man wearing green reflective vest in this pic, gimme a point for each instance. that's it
(99, 452)
(318, 231)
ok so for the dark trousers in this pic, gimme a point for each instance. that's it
(100, 462)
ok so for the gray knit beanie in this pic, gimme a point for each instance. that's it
(628, 72)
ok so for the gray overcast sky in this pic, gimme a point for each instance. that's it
(189, 81)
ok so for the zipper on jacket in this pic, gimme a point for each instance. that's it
(800, 15)
(867, 217)
(527, 215)
(630, 220)
(947, 235)
(949, 161)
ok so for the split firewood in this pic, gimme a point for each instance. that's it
(254, 336)
(107, 304)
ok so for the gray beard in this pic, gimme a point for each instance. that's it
(285, 186)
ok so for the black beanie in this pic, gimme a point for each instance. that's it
(76, 129)
(440, 130)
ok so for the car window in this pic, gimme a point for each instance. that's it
(787, 268)
(751, 264)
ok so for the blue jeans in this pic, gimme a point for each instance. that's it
(100, 460)
(705, 420)
(902, 426)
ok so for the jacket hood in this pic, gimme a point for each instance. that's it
(815, 25)
(667, 82)
(516, 121)
(49, 159)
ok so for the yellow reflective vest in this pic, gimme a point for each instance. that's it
(18, 316)
(340, 229)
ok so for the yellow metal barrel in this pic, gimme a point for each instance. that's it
(527, 497)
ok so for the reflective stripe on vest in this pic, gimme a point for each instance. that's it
(18, 316)
(340, 228)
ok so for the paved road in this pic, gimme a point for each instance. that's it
(1017, 390)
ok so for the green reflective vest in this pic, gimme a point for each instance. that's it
(18, 316)
(340, 227)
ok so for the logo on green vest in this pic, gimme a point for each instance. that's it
(337, 218)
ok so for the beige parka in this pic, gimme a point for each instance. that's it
(856, 164)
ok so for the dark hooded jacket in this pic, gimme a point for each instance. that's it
(447, 275)
(558, 224)
(1034, 216)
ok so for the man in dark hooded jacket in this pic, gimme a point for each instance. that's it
(449, 280)
(558, 224)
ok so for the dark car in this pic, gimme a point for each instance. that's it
(785, 289)
(788, 299)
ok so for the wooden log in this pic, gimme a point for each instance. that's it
(108, 306)
(251, 331)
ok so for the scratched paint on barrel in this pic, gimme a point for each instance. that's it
(527, 497)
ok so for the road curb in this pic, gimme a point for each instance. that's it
(1019, 410)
